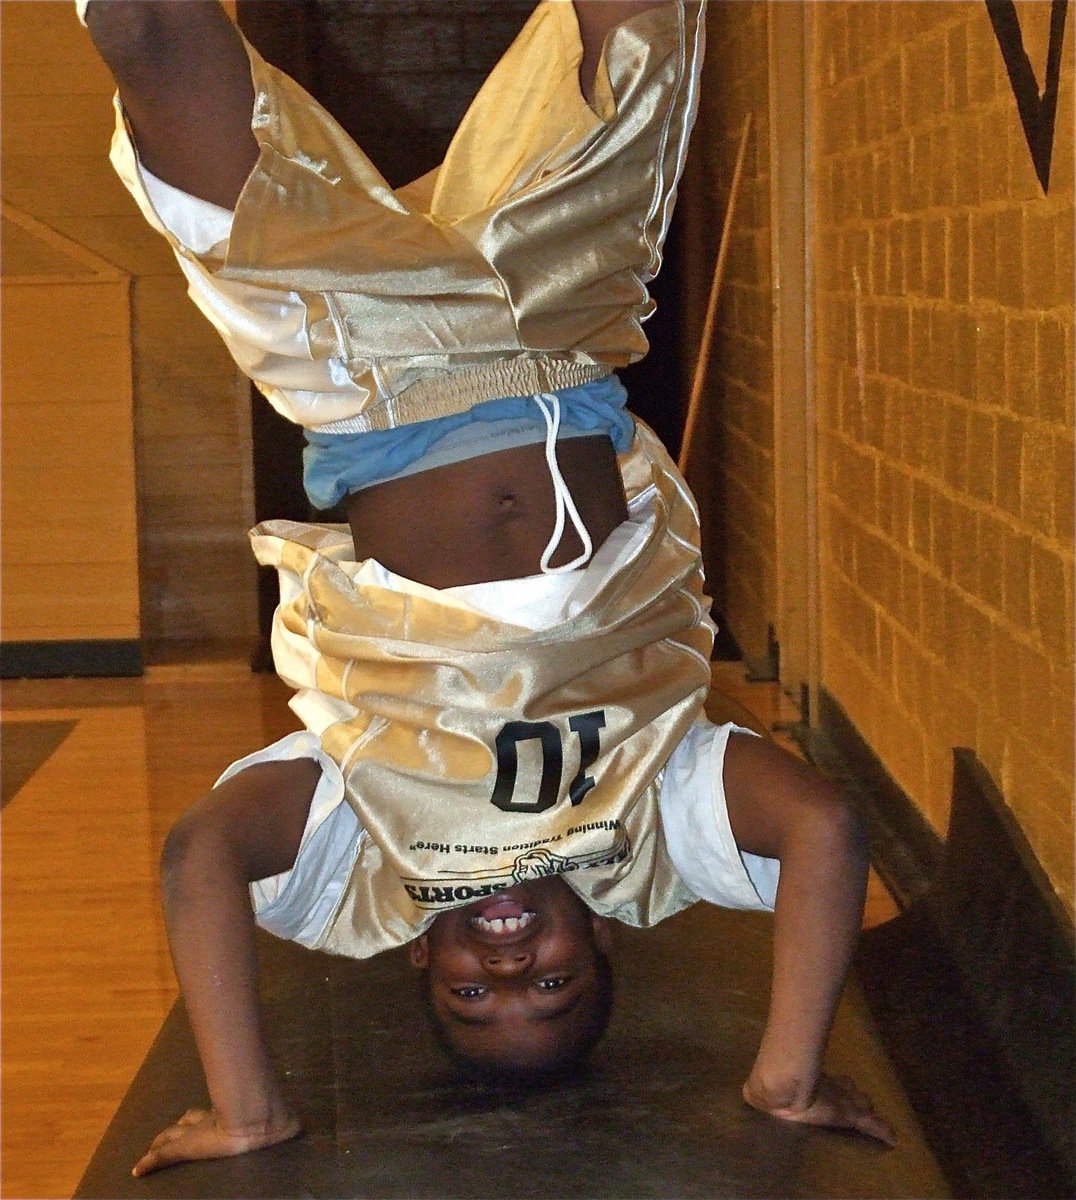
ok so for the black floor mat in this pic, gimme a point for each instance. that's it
(658, 1114)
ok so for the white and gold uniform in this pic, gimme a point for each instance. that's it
(518, 266)
(475, 747)
(476, 751)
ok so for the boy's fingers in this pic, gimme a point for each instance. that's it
(173, 1149)
(839, 1105)
(193, 1116)
(147, 1163)
(196, 1135)
(164, 1156)
(860, 1114)
(158, 1155)
(864, 1119)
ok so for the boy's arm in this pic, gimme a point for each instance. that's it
(184, 79)
(249, 827)
(781, 808)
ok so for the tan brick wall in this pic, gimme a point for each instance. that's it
(945, 385)
(190, 410)
(943, 382)
(732, 460)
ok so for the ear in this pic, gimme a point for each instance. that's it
(603, 934)
(419, 952)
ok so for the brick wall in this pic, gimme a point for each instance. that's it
(943, 385)
(399, 76)
(732, 466)
(945, 337)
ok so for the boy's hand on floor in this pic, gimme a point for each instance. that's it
(837, 1104)
(198, 1134)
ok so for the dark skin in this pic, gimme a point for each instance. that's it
(778, 808)
(250, 827)
(487, 518)
(184, 80)
(513, 992)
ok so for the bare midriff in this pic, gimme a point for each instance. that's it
(487, 518)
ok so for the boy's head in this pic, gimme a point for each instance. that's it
(518, 985)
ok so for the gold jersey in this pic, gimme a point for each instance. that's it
(476, 753)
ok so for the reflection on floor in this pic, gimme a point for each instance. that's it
(87, 979)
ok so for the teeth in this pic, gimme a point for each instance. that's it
(503, 924)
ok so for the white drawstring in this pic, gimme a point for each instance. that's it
(561, 494)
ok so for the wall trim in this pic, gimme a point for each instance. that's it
(57, 660)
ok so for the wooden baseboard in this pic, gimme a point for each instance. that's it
(57, 660)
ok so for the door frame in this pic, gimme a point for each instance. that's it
(795, 448)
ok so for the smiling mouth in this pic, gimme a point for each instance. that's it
(496, 925)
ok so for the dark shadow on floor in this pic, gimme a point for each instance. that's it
(24, 747)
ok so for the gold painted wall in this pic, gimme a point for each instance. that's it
(942, 372)
(945, 385)
(191, 411)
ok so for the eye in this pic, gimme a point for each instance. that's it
(551, 984)
(470, 992)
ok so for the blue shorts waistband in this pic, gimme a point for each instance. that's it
(335, 465)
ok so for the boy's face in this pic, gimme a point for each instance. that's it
(511, 976)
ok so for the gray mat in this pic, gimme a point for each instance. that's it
(658, 1114)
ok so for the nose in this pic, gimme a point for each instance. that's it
(508, 963)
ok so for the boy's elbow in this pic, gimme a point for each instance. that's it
(179, 856)
(831, 824)
(122, 30)
(130, 38)
(196, 851)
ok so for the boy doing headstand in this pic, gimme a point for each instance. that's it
(500, 662)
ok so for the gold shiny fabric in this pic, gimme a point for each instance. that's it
(520, 264)
(477, 754)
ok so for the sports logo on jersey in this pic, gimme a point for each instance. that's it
(461, 887)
